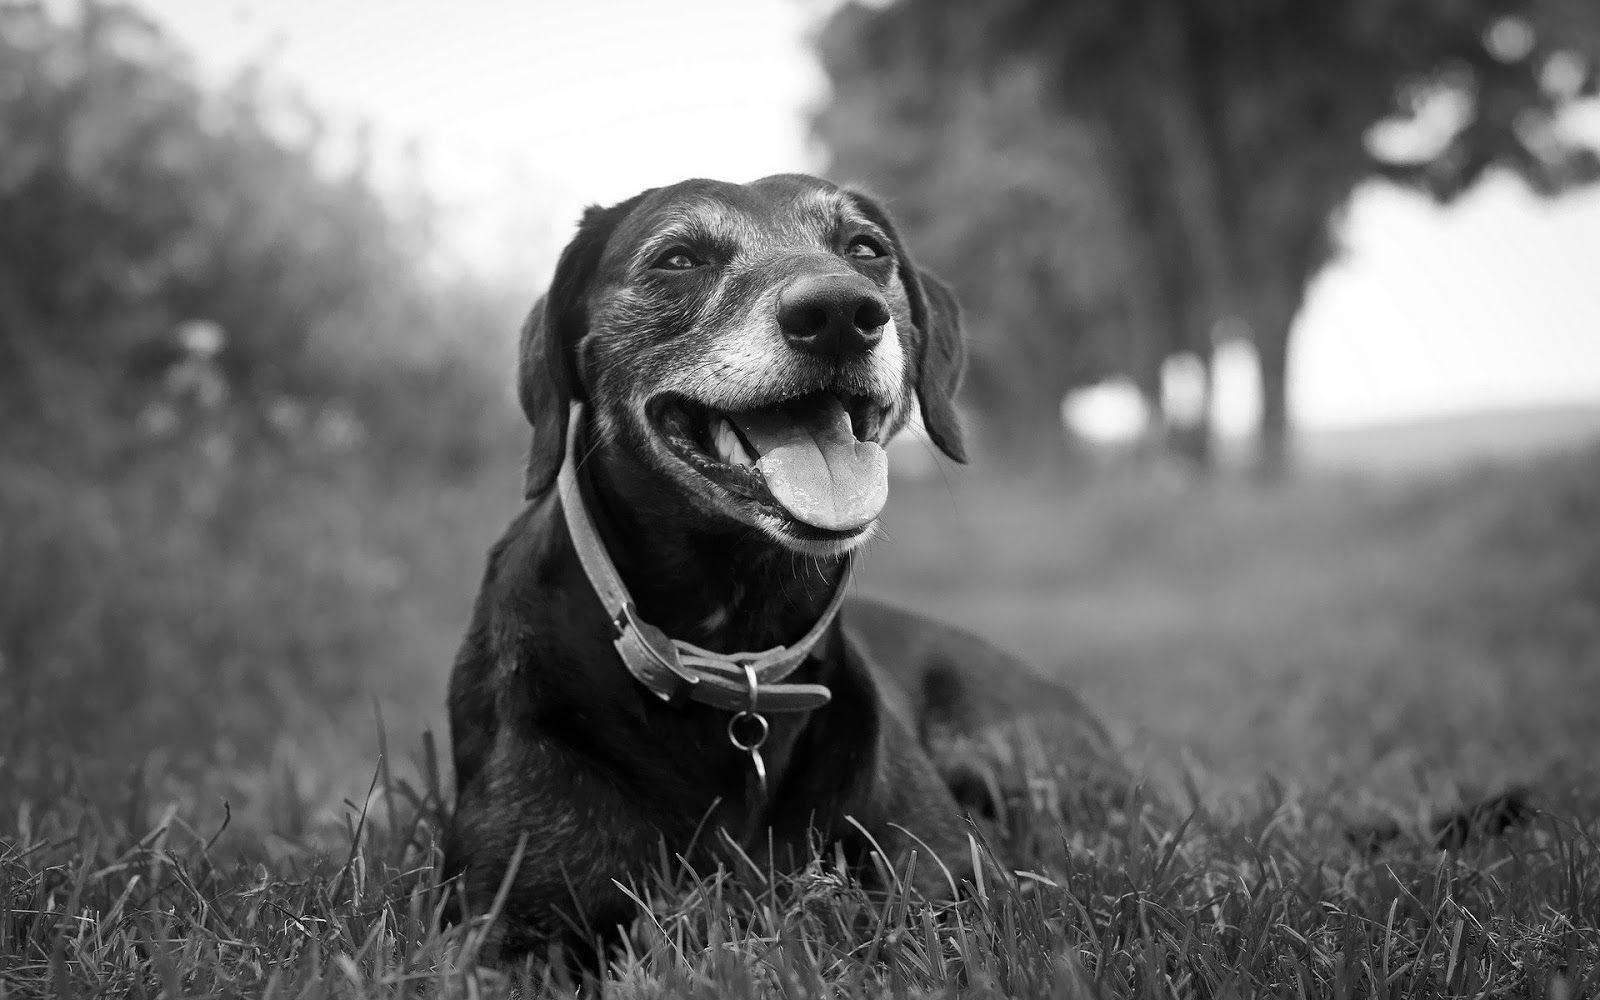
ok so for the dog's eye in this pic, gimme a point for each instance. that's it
(676, 259)
(863, 248)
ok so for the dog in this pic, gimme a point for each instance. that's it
(711, 378)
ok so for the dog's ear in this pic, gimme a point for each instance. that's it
(547, 380)
(944, 358)
(544, 388)
(941, 352)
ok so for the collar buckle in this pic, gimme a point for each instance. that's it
(651, 657)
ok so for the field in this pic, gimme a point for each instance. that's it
(1353, 630)
(193, 800)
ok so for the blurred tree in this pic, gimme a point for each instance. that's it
(1222, 136)
(134, 201)
(986, 181)
(244, 402)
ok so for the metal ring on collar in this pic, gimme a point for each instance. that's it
(760, 736)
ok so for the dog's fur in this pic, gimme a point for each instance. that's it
(559, 753)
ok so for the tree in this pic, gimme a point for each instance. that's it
(230, 372)
(1230, 133)
(986, 181)
(985, 184)
(135, 200)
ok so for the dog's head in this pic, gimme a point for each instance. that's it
(753, 346)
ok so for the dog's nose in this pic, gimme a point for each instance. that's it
(833, 315)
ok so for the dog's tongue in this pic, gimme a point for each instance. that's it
(814, 465)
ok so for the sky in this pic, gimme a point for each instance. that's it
(526, 111)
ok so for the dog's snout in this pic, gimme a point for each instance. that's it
(832, 315)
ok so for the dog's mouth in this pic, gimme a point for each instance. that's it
(815, 460)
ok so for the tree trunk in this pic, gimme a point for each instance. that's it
(1192, 440)
(1272, 355)
(1195, 186)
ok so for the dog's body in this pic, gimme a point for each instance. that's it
(743, 352)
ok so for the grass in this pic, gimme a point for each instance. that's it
(1259, 897)
(224, 819)
(231, 627)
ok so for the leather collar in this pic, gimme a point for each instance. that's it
(672, 669)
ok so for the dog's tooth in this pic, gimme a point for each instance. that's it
(729, 448)
(741, 456)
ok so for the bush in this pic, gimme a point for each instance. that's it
(244, 405)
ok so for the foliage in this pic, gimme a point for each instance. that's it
(136, 200)
(244, 408)
(1224, 136)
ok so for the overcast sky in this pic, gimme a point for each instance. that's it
(527, 110)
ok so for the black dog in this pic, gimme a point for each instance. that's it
(710, 379)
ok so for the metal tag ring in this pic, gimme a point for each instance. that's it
(762, 729)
